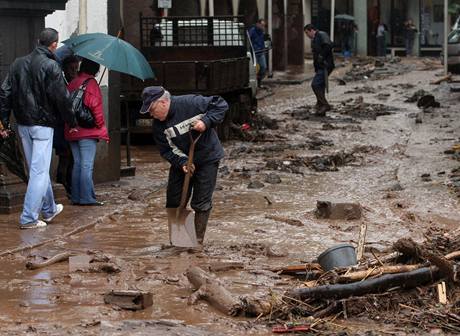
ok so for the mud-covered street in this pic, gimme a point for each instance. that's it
(375, 148)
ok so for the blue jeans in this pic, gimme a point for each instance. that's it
(84, 152)
(37, 142)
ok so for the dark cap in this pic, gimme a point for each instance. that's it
(149, 95)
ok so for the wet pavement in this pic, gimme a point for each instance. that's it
(388, 156)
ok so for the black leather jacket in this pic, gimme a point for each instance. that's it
(321, 46)
(35, 91)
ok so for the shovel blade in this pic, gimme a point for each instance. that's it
(181, 224)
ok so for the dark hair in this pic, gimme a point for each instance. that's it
(89, 67)
(69, 60)
(260, 20)
(309, 27)
(48, 36)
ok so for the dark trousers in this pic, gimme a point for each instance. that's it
(202, 185)
(65, 165)
(381, 48)
(319, 81)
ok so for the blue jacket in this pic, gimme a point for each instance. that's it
(257, 38)
(172, 134)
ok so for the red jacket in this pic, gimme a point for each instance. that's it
(93, 99)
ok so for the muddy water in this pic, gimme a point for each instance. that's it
(53, 300)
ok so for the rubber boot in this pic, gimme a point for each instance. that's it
(201, 222)
(324, 105)
(318, 99)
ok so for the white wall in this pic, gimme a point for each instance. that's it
(66, 21)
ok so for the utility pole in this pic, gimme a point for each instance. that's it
(446, 33)
(332, 19)
(270, 32)
(211, 7)
(83, 12)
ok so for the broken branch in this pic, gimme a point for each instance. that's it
(410, 248)
(405, 280)
(53, 260)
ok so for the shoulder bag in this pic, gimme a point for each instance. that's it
(83, 113)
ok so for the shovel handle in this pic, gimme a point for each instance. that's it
(183, 198)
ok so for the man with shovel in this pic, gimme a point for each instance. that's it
(323, 62)
(184, 133)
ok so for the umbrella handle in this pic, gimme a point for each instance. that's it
(103, 73)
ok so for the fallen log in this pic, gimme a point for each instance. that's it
(211, 290)
(410, 248)
(360, 275)
(53, 260)
(452, 255)
(448, 77)
(406, 280)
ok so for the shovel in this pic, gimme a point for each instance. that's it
(181, 221)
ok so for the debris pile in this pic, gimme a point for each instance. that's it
(424, 99)
(417, 281)
(359, 109)
(320, 163)
(406, 287)
(369, 68)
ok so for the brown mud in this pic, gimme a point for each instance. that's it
(375, 161)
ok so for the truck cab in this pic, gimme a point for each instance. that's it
(202, 55)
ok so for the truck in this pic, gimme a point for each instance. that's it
(208, 55)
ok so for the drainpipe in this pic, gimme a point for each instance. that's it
(446, 32)
(285, 35)
(203, 7)
(332, 19)
(270, 32)
(235, 7)
(82, 23)
(211, 7)
(261, 8)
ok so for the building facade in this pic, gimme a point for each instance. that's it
(427, 15)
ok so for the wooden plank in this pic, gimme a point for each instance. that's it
(442, 294)
(130, 299)
(361, 241)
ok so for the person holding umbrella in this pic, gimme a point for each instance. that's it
(34, 90)
(114, 54)
(83, 143)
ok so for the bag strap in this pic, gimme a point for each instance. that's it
(84, 84)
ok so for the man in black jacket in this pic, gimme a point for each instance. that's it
(323, 62)
(175, 117)
(35, 91)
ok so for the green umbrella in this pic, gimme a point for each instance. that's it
(111, 52)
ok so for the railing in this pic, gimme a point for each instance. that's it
(185, 31)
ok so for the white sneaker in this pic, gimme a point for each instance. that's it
(59, 208)
(37, 224)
